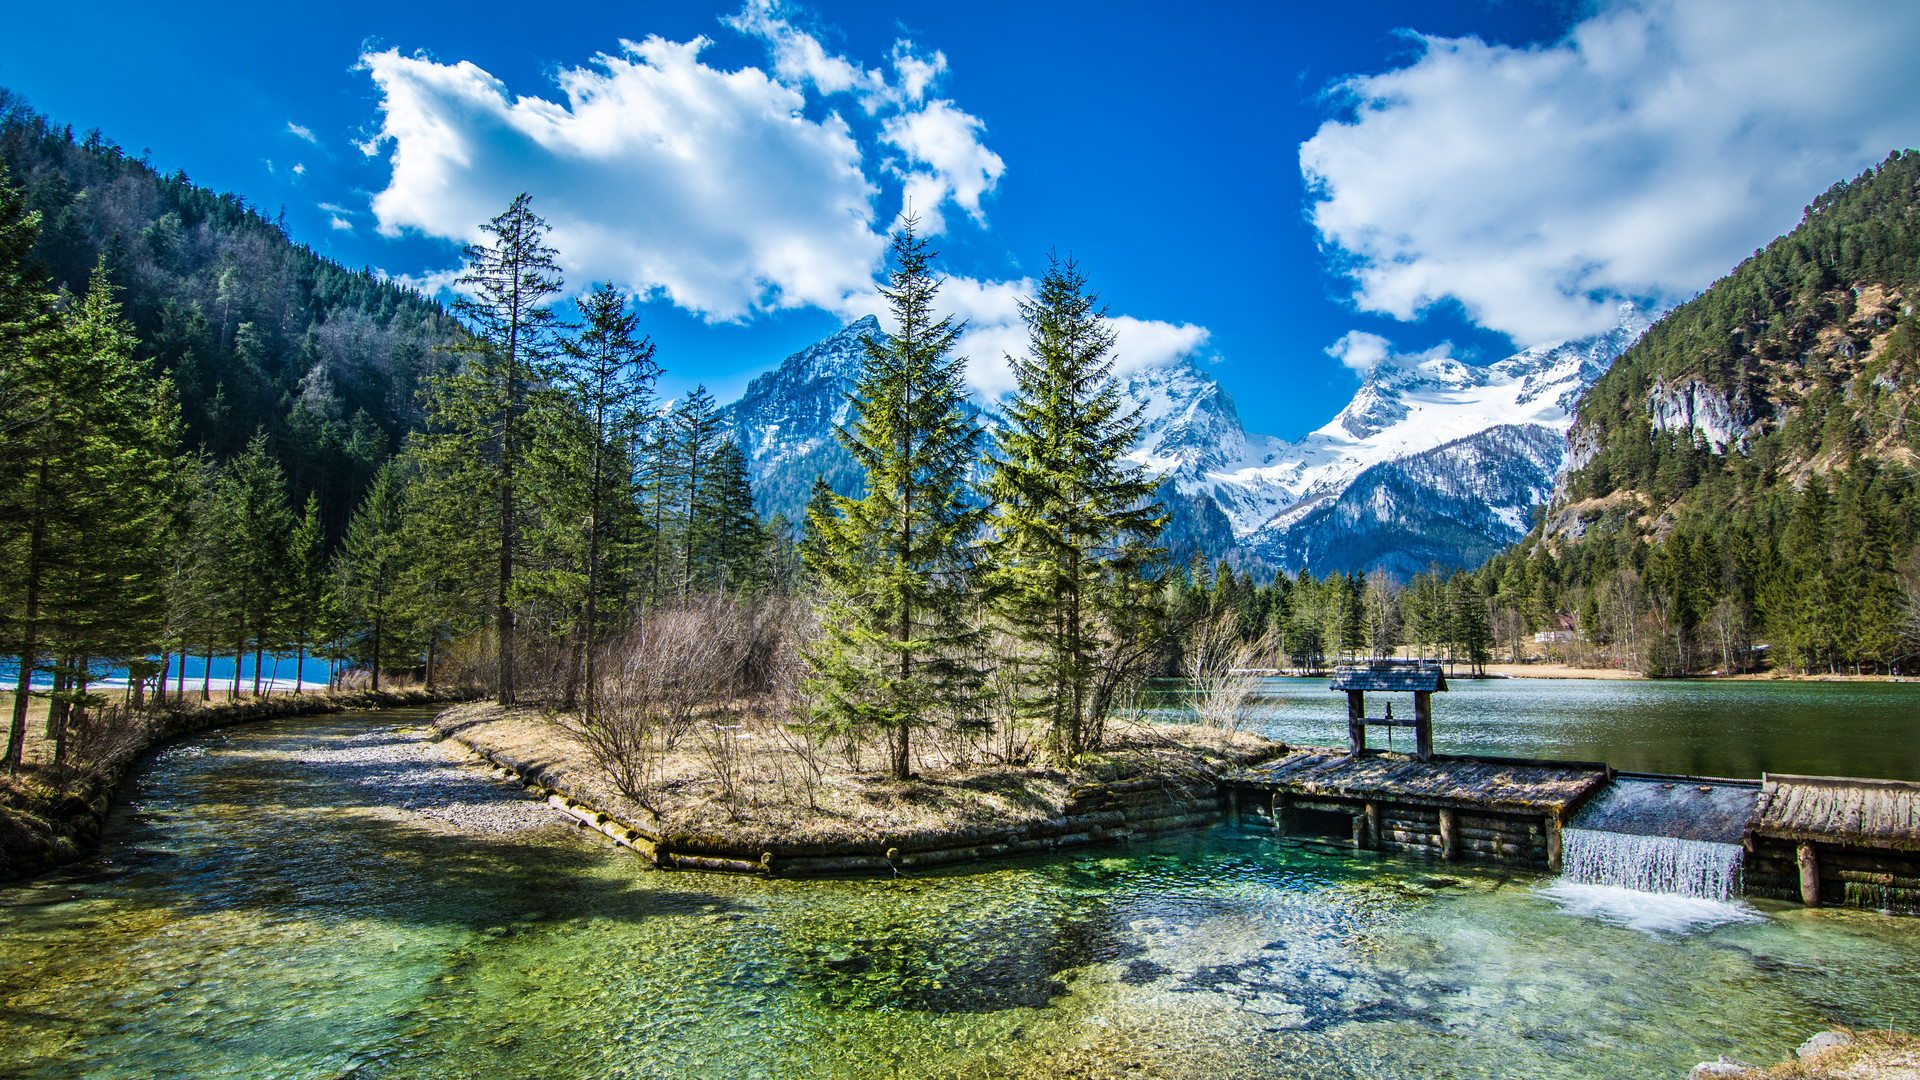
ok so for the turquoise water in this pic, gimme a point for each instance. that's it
(252, 917)
(1696, 727)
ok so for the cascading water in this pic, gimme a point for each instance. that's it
(1655, 864)
(1658, 854)
(1676, 836)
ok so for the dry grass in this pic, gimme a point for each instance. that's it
(1873, 1055)
(786, 788)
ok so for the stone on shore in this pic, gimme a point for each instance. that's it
(1824, 1040)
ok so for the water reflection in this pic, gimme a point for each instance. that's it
(261, 917)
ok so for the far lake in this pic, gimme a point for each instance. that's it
(1696, 727)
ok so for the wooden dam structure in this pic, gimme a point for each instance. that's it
(1819, 840)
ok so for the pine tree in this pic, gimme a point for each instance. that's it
(371, 566)
(1071, 519)
(85, 493)
(481, 418)
(608, 379)
(306, 582)
(726, 531)
(896, 639)
(257, 526)
(692, 441)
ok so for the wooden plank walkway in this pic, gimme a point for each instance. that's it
(1506, 785)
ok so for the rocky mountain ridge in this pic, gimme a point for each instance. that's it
(1434, 459)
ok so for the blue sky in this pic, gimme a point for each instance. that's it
(1291, 192)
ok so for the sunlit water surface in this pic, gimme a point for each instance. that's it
(1734, 728)
(252, 918)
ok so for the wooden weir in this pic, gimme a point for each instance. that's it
(1816, 839)
(1836, 840)
(1452, 806)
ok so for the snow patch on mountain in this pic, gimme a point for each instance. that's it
(1503, 426)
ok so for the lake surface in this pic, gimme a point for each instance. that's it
(252, 916)
(1696, 727)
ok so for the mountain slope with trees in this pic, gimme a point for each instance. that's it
(1746, 471)
(257, 333)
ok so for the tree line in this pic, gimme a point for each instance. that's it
(546, 490)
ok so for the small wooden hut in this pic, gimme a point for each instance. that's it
(1388, 676)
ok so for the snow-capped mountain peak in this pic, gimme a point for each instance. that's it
(1411, 420)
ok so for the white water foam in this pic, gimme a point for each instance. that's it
(1653, 884)
(1655, 914)
(1655, 864)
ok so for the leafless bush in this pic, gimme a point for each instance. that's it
(105, 733)
(1220, 664)
(691, 669)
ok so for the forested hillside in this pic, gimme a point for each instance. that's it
(257, 333)
(1745, 473)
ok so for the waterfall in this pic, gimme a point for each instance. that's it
(1654, 864)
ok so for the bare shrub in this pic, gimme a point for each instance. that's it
(104, 734)
(1220, 664)
(679, 670)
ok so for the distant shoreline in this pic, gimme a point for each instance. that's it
(1562, 671)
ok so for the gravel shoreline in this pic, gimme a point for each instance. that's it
(408, 770)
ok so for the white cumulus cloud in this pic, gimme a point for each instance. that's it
(658, 172)
(1360, 350)
(711, 189)
(945, 142)
(1642, 156)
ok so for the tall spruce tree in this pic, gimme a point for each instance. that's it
(608, 378)
(86, 482)
(1071, 518)
(258, 525)
(306, 585)
(727, 533)
(692, 442)
(894, 562)
(481, 418)
(371, 567)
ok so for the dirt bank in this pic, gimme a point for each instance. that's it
(829, 816)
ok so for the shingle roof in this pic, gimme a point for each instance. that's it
(1390, 677)
(1840, 810)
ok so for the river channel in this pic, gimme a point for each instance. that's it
(284, 900)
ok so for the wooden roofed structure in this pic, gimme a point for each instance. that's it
(1390, 676)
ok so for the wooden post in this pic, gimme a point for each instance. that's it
(1450, 833)
(1809, 875)
(1423, 725)
(1552, 826)
(1233, 806)
(1373, 825)
(1279, 813)
(1360, 830)
(1356, 722)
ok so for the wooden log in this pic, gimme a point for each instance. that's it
(1373, 824)
(1356, 726)
(1233, 806)
(1279, 812)
(1450, 833)
(1809, 875)
(1551, 825)
(1360, 830)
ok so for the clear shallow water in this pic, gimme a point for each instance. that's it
(1695, 727)
(255, 918)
